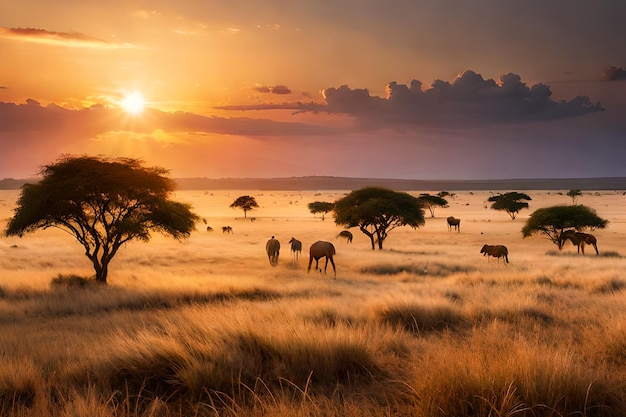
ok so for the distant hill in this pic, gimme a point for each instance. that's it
(13, 184)
(345, 183)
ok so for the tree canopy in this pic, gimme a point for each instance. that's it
(377, 211)
(553, 221)
(431, 201)
(321, 207)
(103, 203)
(246, 203)
(574, 194)
(511, 202)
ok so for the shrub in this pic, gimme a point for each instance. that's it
(70, 281)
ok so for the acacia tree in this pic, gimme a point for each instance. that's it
(320, 207)
(377, 211)
(574, 194)
(103, 203)
(431, 201)
(246, 203)
(510, 202)
(553, 221)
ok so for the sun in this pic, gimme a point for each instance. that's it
(133, 103)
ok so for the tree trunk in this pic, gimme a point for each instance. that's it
(102, 270)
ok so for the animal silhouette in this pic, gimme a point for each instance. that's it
(454, 222)
(497, 251)
(346, 234)
(272, 247)
(296, 247)
(322, 249)
(578, 239)
(227, 229)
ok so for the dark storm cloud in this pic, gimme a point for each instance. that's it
(613, 74)
(277, 89)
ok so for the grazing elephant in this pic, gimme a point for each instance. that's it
(497, 251)
(296, 247)
(346, 234)
(322, 249)
(272, 247)
(579, 239)
(454, 222)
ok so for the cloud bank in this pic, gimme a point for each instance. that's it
(43, 36)
(470, 100)
(32, 116)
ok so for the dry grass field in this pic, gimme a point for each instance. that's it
(426, 327)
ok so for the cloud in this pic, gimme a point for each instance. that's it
(468, 100)
(89, 122)
(46, 37)
(613, 74)
(277, 89)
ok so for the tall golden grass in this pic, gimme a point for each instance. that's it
(426, 327)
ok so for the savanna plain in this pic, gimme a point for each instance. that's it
(425, 327)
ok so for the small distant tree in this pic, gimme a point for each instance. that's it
(321, 207)
(246, 203)
(377, 211)
(429, 202)
(553, 221)
(511, 202)
(103, 203)
(574, 194)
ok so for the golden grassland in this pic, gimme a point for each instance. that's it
(426, 327)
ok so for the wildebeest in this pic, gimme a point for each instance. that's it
(272, 247)
(346, 234)
(296, 247)
(209, 229)
(578, 239)
(322, 249)
(454, 222)
(497, 251)
(227, 229)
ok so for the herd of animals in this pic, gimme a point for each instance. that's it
(323, 249)
(318, 250)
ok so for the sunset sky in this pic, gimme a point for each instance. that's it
(420, 89)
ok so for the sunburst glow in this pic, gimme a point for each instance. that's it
(133, 103)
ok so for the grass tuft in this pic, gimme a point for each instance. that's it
(420, 319)
(609, 286)
(19, 382)
(434, 269)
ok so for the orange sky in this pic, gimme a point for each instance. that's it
(292, 88)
